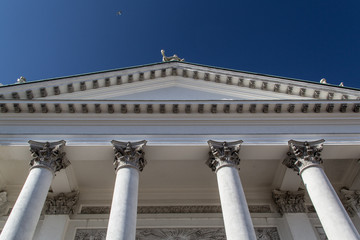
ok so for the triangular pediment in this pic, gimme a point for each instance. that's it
(175, 81)
(174, 88)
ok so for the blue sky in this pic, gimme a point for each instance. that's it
(305, 39)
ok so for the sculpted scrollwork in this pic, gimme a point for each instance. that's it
(303, 154)
(351, 200)
(129, 154)
(223, 154)
(63, 203)
(263, 233)
(3, 203)
(49, 155)
(289, 202)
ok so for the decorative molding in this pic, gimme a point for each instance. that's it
(123, 106)
(180, 233)
(259, 208)
(262, 233)
(129, 154)
(3, 203)
(223, 154)
(321, 232)
(49, 155)
(303, 154)
(267, 233)
(289, 202)
(351, 201)
(90, 234)
(310, 209)
(95, 210)
(63, 203)
(173, 209)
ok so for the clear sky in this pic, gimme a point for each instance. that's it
(307, 39)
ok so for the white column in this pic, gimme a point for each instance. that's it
(47, 159)
(129, 160)
(224, 160)
(304, 157)
(291, 206)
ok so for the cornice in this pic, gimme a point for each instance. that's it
(121, 107)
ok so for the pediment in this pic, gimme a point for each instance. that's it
(175, 81)
(172, 89)
(177, 88)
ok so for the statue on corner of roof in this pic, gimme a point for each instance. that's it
(174, 58)
(21, 80)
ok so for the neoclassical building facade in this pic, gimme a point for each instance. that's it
(176, 150)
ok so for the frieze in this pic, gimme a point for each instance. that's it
(173, 209)
(49, 155)
(263, 233)
(223, 154)
(303, 154)
(289, 202)
(63, 203)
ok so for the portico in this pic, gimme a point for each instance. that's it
(176, 108)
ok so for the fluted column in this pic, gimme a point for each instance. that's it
(224, 161)
(129, 161)
(47, 158)
(304, 157)
(292, 206)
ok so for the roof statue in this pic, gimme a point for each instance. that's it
(341, 84)
(323, 80)
(21, 80)
(171, 59)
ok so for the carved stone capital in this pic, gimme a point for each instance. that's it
(351, 200)
(223, 154)
(303, 154)
(63, 203)
(289, 202)
(49, 155)
(3, 203)
(129, 154)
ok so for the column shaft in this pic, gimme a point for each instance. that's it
(122, 221)
(237, 220)
(25, 215)
(334, 219)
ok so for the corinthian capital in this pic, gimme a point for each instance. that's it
(63, 203)
(351, 200)
(223, 154)
(303, 154)
(129, 154)
(289, 202)
(49, 155)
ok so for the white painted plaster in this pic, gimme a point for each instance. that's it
(53, 227)
(300, 226)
